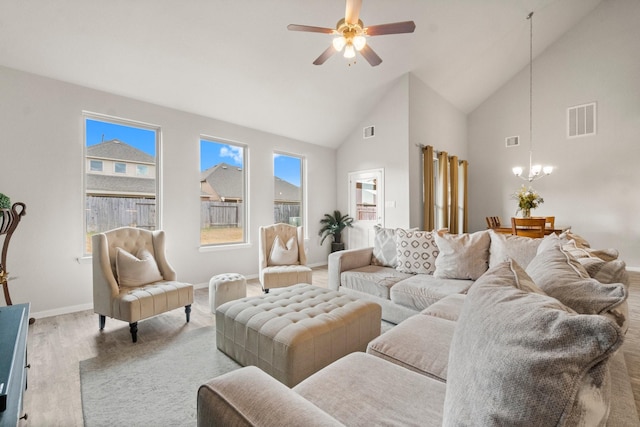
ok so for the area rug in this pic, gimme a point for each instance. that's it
(153, 383)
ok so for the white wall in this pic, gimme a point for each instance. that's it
(388, 150)
(595, 185)
(432, 121)
(41, 164)
(409, 113)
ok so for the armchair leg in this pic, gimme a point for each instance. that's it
(102, 320)
(187, 311)
(133, 328)
(266, 291)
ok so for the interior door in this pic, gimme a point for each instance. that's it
(366, 202)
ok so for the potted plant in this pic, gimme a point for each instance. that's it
(5, 212)
(332, 225)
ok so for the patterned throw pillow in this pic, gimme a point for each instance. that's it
(384, 247)
(416, 251)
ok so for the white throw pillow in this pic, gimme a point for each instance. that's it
(506, 246)
(136, 270)
(416, 251)
(462, 256)
(284, 255)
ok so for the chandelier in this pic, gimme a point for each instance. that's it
(535, 171)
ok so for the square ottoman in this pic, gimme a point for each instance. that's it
(295, 331)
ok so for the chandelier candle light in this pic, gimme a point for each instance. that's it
(535, 171)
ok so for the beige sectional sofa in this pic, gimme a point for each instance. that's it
(534, 345)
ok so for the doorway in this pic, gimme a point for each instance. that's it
(366, 203)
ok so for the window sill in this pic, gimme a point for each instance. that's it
(216, 248)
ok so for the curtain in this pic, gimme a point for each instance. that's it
(442, 206)
(445, 192)
(428, 186)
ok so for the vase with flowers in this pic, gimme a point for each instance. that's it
(527, 199)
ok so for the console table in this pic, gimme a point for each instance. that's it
(13, 362)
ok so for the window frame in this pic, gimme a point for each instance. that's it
(89, 115)
(245, 196)
(303, 183)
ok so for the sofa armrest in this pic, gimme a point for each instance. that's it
(346, 260)
(250, 397)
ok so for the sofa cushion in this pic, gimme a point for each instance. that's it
(504, 246)
(363, 390)
(136, 270)
(372, 279)
(420, 343)
(448, 307)
(462, 256)
(535, 361)
(564, 278)
(420, 291)
(606, 271)
(584, 252)
(416, 251)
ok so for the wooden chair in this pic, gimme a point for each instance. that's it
(493, 221)
(550, 222)
(528, 227)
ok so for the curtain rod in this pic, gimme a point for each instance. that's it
(421, 146)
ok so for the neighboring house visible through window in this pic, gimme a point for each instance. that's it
(223, 203)
(288, 185)
(117, 194)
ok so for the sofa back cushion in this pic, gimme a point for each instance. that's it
(521, 358)
(416, 251)
(462, 256)
(564, 278)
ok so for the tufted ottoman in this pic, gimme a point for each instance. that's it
(226, 287)
(295, 331)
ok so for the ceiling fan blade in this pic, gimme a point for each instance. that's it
(394, 28)
(324, 56)
(371, 57)
(310, 29)
(352, 13)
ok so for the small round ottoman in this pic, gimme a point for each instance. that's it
(226, 287)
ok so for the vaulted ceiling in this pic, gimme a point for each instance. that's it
(234, 60)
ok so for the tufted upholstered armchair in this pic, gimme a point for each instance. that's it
(128, 288)
(282, 257)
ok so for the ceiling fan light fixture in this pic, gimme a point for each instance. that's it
(349, 51)
(339, 43)
(359, 42)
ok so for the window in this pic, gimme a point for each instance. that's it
(288, 195)
(115, 199)
(120, 167)
(142, 170)
(222, 192)
(95, 165)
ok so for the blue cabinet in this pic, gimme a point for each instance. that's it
(14, 324)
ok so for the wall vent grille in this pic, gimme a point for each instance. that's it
(512, 141)
(369, 132)
(581, 120)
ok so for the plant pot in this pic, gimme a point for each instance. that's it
(337, 246)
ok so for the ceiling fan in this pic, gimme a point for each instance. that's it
(351, 34)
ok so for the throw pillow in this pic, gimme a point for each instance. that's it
(534, 361)
(416, 251)
(462, 256)
(606, 271)
(384, 247)
(136, 270)
(576, 252)
(505, 246)
(562, 277)
(284, 255)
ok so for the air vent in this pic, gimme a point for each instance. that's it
(581, 120)
(369, 132)
(512, 141)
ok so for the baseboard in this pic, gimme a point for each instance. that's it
(61, 310)
(634, 269)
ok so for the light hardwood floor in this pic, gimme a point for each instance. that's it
(57, 344)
